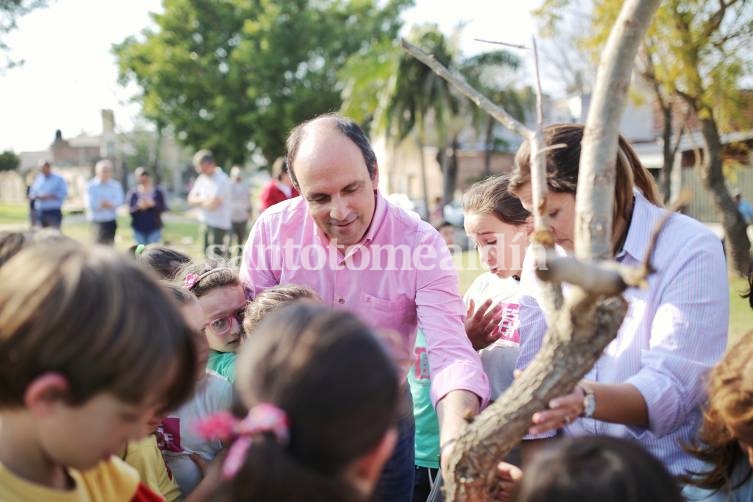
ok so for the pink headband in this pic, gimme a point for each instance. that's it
(264, 417)
(192, 280)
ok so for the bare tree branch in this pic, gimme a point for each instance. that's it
(515, 46)
(459, 83)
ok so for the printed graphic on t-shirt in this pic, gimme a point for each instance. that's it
(421, 364)
(168, 435)
(508, 326)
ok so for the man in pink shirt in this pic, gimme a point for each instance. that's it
(359, 252)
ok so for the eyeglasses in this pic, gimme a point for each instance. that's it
(223, 325)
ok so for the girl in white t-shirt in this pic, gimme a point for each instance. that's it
(496, 221)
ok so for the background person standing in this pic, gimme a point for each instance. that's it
(47, 193)
(280, 187)
(240, 204)
(211, 195)
(103, 196)
(146, 203)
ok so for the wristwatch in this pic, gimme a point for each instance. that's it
(589, 402)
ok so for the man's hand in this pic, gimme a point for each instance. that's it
(452, 411)
(481, 324)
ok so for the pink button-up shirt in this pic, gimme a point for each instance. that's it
(400, 274)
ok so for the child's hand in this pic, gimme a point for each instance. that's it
(200, 462)
(509, 475)
(481, 324)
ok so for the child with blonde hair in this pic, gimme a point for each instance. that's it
(91, 348)
(271, 299)
(725, 440)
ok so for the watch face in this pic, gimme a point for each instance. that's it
(589, 405)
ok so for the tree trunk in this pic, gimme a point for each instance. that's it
(488, 147)
(665, 179)
(737, 244)
(424, 183)
(450, 171)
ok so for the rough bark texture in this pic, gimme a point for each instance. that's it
(566, 356)
(737, 244)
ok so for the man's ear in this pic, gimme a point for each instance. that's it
(375, 178)
(44, 392)
(366, 470)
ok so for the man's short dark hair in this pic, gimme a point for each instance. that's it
(347, 127)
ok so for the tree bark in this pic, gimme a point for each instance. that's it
(488, 147)
(668, 160)
(737, 243)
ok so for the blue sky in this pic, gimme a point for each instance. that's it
(69, 73)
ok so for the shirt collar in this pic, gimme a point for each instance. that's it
(380, 212)
(641, 221)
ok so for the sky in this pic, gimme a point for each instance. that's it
(69, 73)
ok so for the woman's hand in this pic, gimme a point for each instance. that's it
(562, 410)
(481, 324)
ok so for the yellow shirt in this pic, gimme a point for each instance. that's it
(112, 480)
(146, 458)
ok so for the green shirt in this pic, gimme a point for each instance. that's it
(222, 363)
(427, 424)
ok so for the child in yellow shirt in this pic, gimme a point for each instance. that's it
(91, 348)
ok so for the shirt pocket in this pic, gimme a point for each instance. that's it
(380, 313)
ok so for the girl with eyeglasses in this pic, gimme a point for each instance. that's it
(223, 301)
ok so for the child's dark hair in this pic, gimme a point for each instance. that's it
(272, 299)
(595, 469)
(339, 389)
(96, 318)
(201, 278)
(165, 261)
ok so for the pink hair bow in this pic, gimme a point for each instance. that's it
(190, 281)
(264, 417)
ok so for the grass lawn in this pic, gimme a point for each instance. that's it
(183, 234)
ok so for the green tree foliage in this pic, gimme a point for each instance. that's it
(10, 11)
(9, 161)
(235, 76)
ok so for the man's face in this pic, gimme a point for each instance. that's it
(206, 168)
(105, 173)
(334, 180)
(46, 169)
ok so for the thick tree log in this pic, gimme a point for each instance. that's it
(564, 359)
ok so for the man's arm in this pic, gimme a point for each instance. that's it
(459, 386)
(452, 411)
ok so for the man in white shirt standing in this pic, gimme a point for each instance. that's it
(211, 195)
(103, 196)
